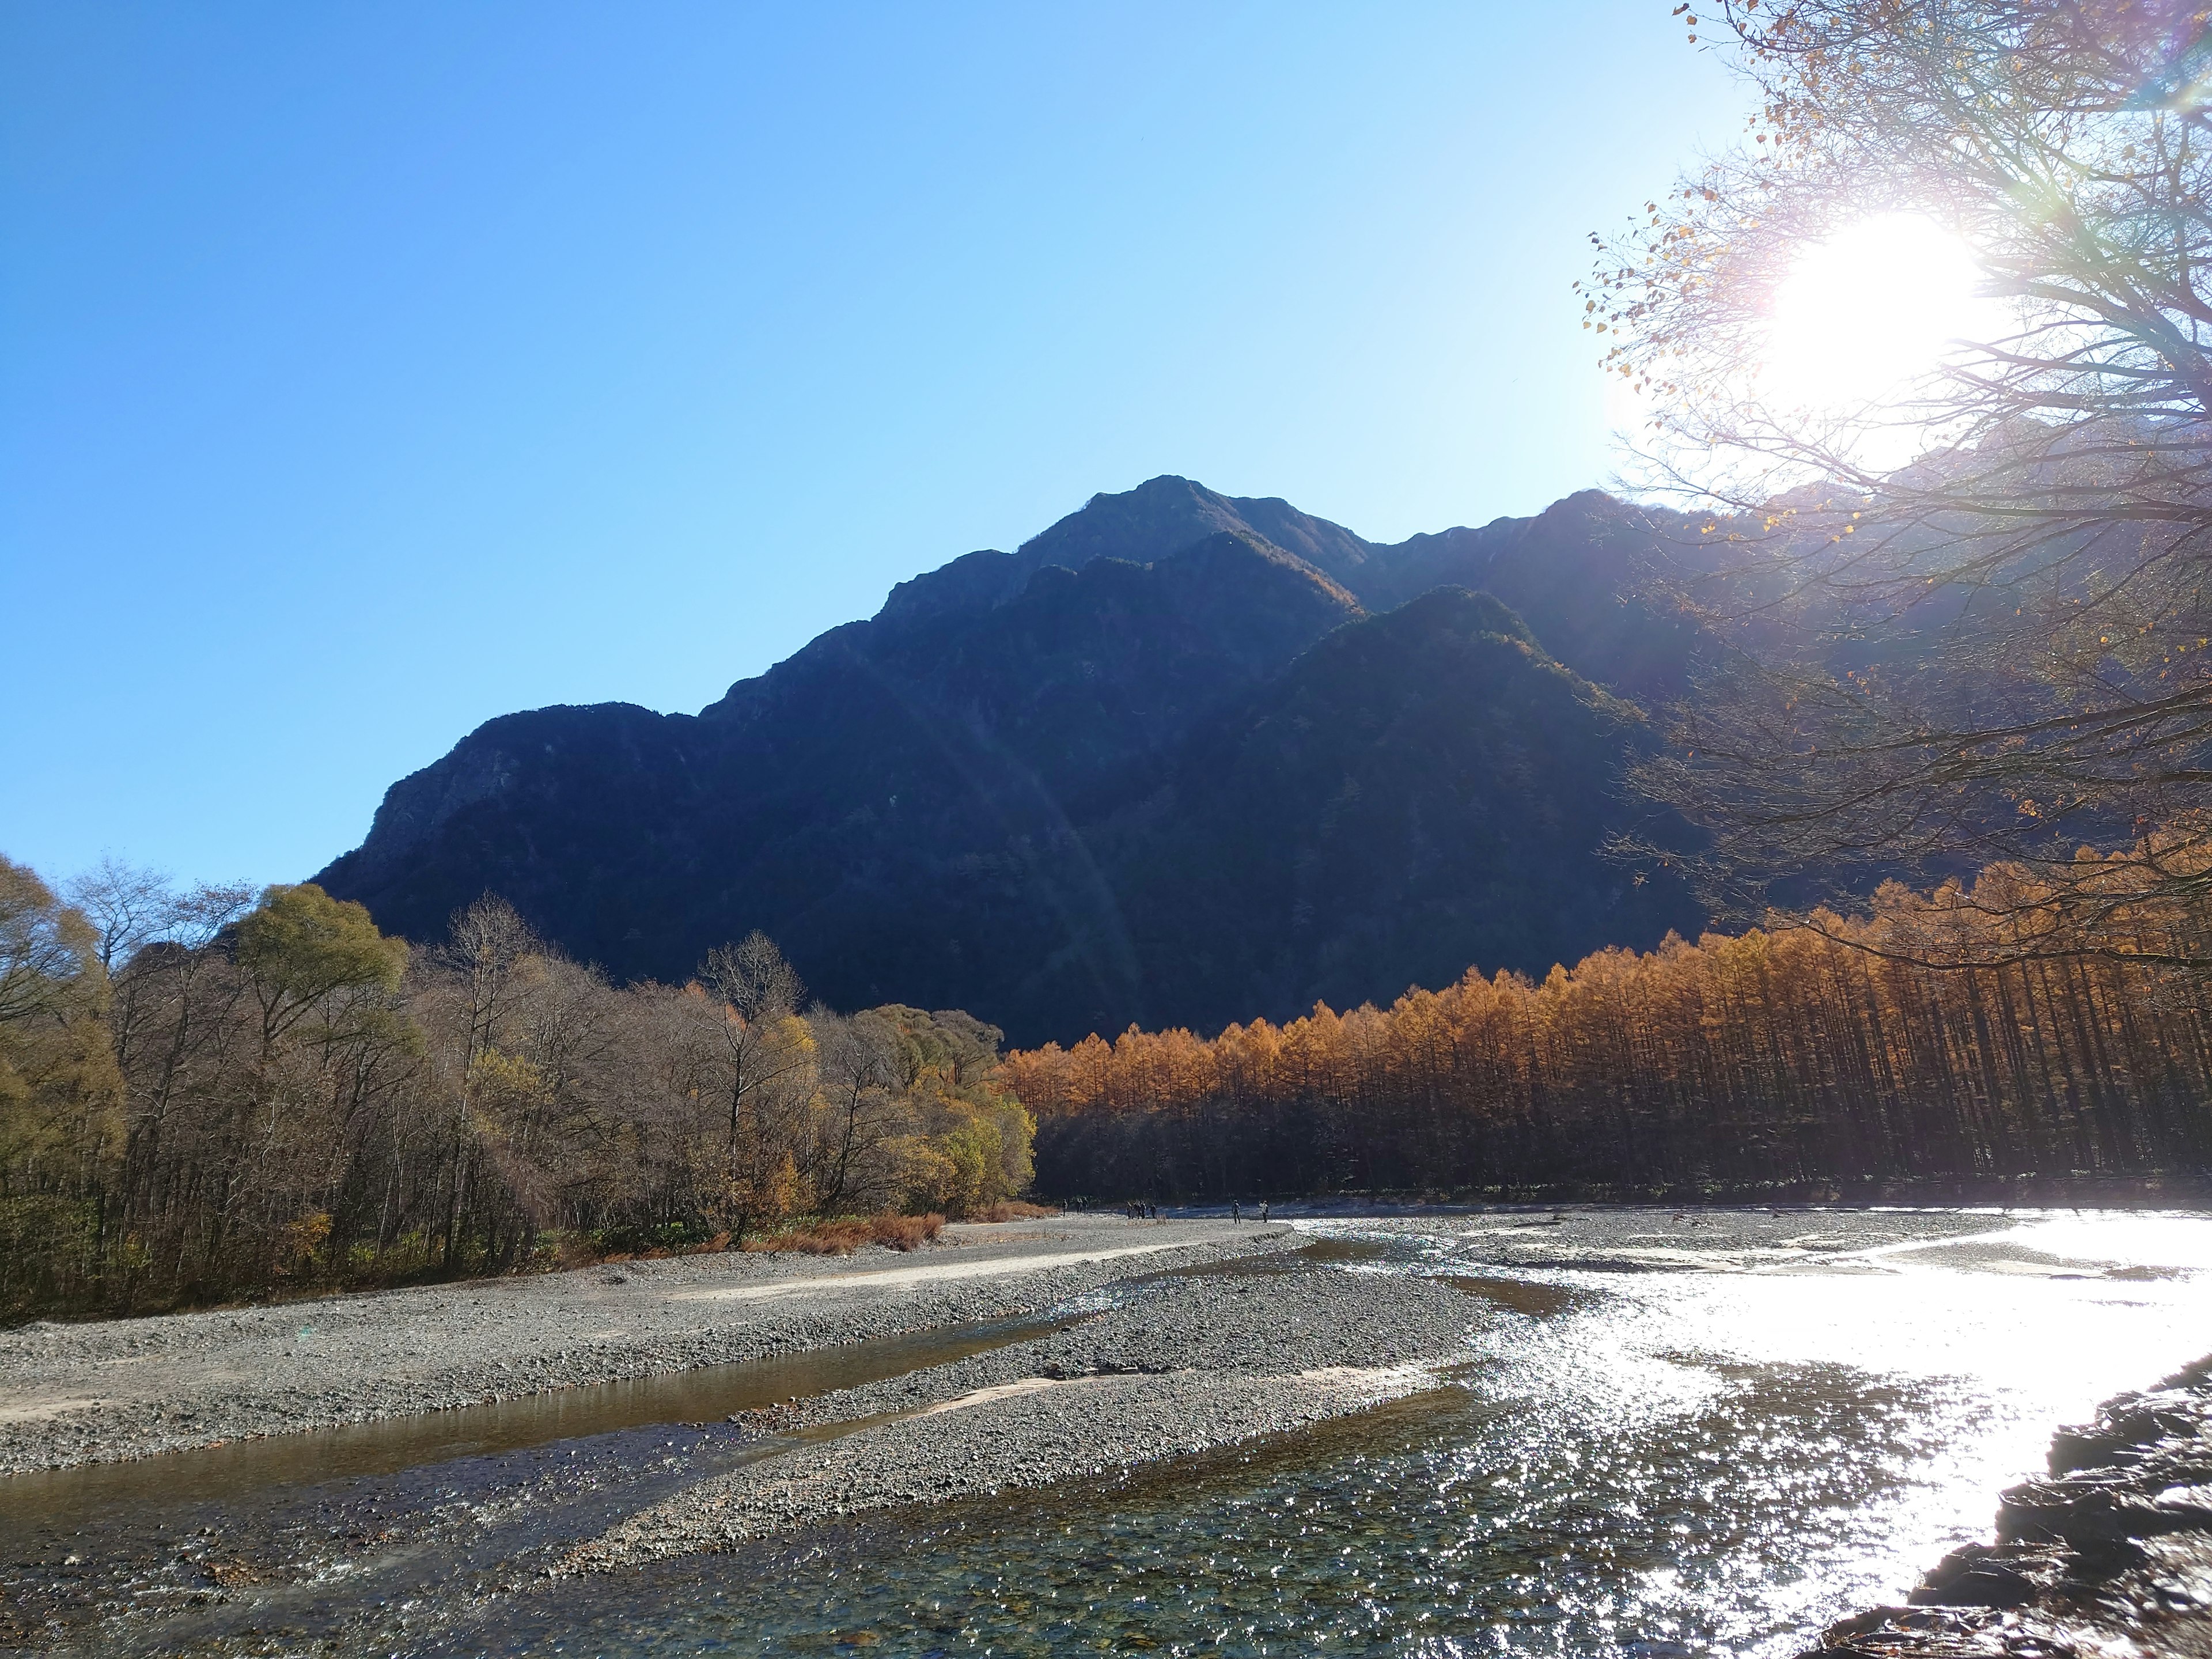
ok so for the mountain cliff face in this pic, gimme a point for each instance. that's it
(1420, 792)
(1180, 758)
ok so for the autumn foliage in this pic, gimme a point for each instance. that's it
(227, 1094)
(1940, 1037)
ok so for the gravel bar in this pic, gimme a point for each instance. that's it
(117, 1389)
(1183, 1366)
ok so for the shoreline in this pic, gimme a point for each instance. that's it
(120, 1391)
(117, 1390)
(2110, 1551)
(2181, 1192)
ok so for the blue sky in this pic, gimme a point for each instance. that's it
(369, 371)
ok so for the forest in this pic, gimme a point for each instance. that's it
(1980, 1030)
(226, 1092)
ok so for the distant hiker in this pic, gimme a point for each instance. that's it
(1235, 1211)
(1263, 1209)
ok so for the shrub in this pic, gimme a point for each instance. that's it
(907, 1233)
(824, 1238)
(1013, 1209)
(842, 1238)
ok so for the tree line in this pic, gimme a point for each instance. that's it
(221, 1092)
(1944, 1034)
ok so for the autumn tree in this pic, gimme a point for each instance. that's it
(866, 1121)
(300, 947)
(49, 950)
(1963, 617)
(975, 1139)
(1912, 1044)
(58, 1089)
(762, 1050)
(269, 1090)
(307, 962)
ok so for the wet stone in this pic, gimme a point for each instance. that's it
(2110, 1553)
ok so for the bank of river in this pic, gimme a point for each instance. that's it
(113, 1389)
(1615, 1431)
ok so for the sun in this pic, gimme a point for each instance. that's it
(1867, 313)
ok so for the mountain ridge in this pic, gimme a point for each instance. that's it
(937, 804)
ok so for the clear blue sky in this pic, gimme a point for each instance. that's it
(367, 371)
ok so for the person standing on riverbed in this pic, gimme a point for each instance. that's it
(1235, 1211)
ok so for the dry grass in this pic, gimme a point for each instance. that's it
(907, 1233)
(1014, 1210)
(897, 1232)
(848, 1234)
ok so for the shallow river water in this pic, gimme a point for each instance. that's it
(1672, 1448)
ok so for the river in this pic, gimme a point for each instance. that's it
(1677, 1449)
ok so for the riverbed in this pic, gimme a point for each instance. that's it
(1601, 1431)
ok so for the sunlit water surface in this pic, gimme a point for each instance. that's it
(1663, 1463)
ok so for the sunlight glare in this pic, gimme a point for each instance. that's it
(1868, 312)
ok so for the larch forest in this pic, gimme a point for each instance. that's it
(1953, 1036)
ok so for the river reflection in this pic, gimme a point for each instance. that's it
(1778, 1420)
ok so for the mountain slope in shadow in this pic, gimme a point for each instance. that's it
(1162, 762)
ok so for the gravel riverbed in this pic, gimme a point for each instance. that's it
(117, 1390)
(1185, 1366)
(1761, 1399)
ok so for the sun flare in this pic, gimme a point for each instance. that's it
(1865, 315)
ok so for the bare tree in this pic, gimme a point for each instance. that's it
(750, 1006)
(752, 977)
(1998, 650)
(131, 907)
(172, 1021)
(864, 1110)
(486, 946)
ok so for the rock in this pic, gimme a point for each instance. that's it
(2160, 1490)
(2127, 1428)
(1992, 1575)
(2111, 1553)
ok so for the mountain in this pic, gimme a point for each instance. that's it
(1572, 572)
(1420, 791)
(1182, 757)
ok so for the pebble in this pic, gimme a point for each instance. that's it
(1186, 1366)
(130, 1388)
